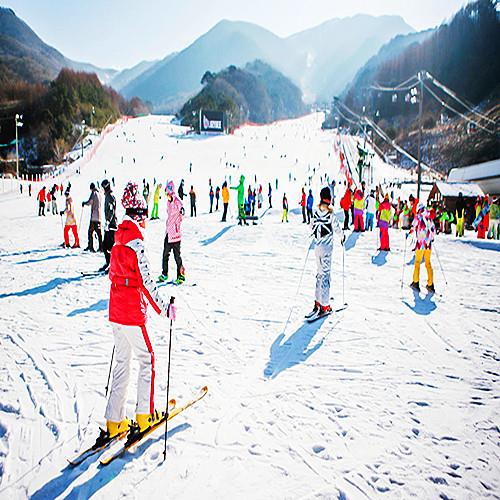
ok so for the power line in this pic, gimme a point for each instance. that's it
(452, 94)
(448, 106)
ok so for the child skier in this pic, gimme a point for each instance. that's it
(132, 287)
(424, 230)
(324, 223)
(173, 235)
(70, 222)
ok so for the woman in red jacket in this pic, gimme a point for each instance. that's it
(132, 288)
(345, 204)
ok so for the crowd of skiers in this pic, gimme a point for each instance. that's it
(133, 285)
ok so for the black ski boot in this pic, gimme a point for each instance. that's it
(415, 286)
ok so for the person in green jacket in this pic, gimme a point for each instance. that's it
(156, 199)
(241, 201)
(445, 220)
(494, 228)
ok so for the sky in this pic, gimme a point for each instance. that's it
(121, 33)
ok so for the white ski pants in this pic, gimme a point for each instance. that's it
(130, 339)
(323, 253)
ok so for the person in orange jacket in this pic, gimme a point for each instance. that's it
(225, 200)
(42, 197)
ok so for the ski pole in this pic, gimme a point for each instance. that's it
(343, 273)
(110, 366)
(168, 383)
(404, 262)
(441, 266)
(81, 217)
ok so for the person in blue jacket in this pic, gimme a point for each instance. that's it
(309, 206)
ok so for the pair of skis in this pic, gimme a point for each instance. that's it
(313, 318)
(132, 440)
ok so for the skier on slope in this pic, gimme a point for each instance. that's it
(41, 197)
(241, 201)
(370, 205)
(384, 221)
(324, 223)
(225, 201)
(425, 231)
(359, 203)
(95, 218)
(110, 224)
(70, 223)
(310, 203)
(156, 200)
(303, 203)
(460, 215)
(285, 209)
(173, 235)
(132, 287)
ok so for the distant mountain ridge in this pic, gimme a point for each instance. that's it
(321, 60)
(24, 56)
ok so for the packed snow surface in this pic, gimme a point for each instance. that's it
(397, 396)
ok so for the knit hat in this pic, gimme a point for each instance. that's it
(133, 204)
(105, 184)
(326, 195)
(420, 206)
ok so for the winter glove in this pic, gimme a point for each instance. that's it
(83, 203)
(172, 312)
(342, 240)
(61, 213)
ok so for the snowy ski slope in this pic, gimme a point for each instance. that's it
(396, 397)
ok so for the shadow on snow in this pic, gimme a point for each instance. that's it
(100, 305)
(50, 257)
(103, 476)
(294, 350)
(380, 259)
(482, 244)
(351, 240)
(424, 306)
(47, 287)
(211, 240)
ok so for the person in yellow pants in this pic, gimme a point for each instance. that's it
(460, 215)
(285, 209)
(424, 230)
(426, 254)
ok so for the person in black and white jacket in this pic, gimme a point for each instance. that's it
(324, 223)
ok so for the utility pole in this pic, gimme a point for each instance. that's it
(83, 131)
(18, 124)
(420, 106)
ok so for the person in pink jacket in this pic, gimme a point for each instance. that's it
(173, 235)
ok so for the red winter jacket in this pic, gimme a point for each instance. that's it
(346, 201)
(303, 200)
(132, 284)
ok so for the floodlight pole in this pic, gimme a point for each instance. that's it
(420, 106)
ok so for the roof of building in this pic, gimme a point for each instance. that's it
(486, 170)
(468, 189)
